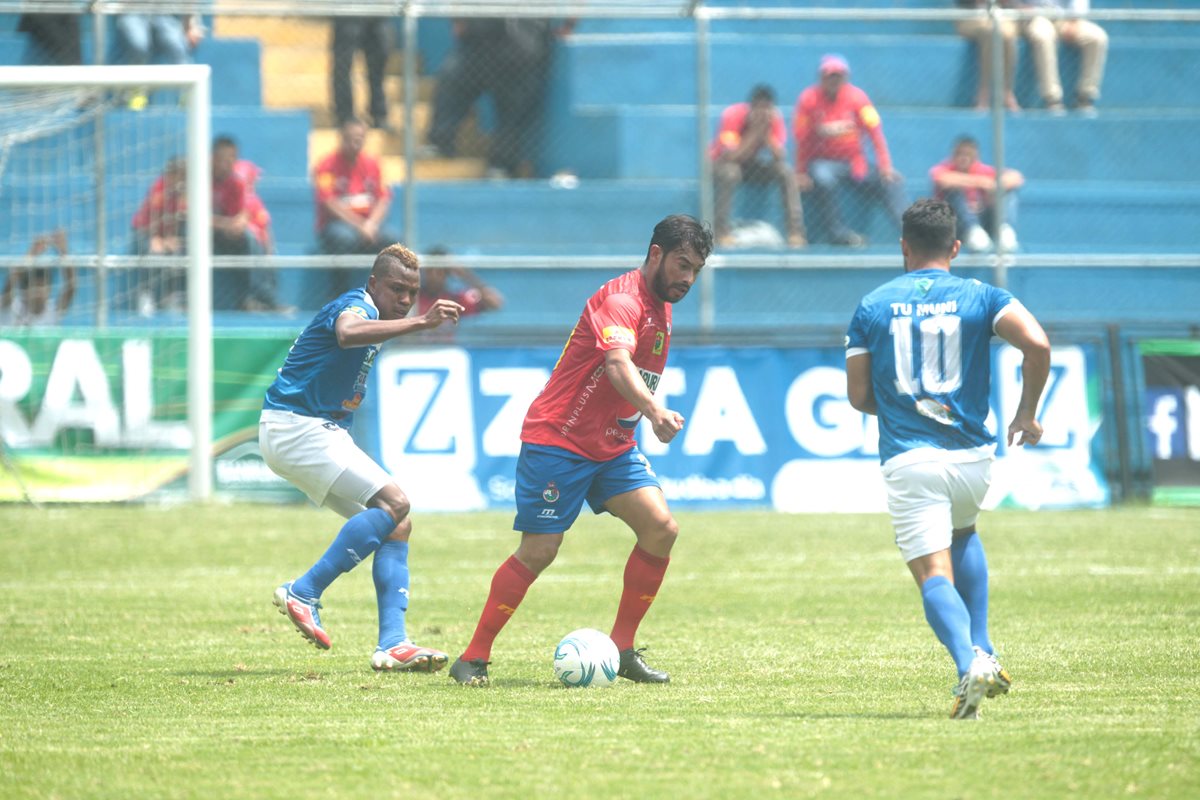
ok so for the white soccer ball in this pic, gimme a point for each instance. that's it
(586, 657)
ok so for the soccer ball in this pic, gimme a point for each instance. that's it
(586, 657)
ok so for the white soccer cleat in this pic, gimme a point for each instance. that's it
(978, 240)
(408, 657)
(973, 687)
(1002, 679)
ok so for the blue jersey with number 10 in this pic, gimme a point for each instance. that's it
(929, 337)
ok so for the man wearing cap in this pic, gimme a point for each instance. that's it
(830, 118)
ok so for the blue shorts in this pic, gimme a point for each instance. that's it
(552, 484)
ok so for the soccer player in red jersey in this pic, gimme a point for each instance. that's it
(578, 444)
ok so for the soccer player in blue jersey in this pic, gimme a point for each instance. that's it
(918, 355)
(304, 436)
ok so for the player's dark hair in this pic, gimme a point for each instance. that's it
(966, 139)
(762, 92)
(929, 227)
(350, 120)
(681, 230)
(394, 254)
(224, 140)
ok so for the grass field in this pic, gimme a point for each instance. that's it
(140, 656)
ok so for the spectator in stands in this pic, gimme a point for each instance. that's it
(25, 298)
(969, 186)
(1044, 34)
(260, 294)
(352, 200)
(159, 38)
(372, 36)
(830, 118)
(55, 38)
(160, 229)
(979, 30)
(240, 228)
(456, 283)
(509, 59)
(751, 146)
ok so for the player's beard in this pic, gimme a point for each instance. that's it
(663, 289)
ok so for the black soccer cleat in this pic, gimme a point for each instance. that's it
(470, 673)
(635, 668)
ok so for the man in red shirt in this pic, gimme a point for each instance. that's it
(352, 199)
(159, 229)
(830, 119)
(750, 146)
(969, 186)
(578, 443)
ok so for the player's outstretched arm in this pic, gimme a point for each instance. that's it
(354, 331)
(1019, 328)
(624, 376)
(859, 389)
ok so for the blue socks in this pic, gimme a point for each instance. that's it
(971, 580)
(359, 537)
(948, 617)
(391, 590)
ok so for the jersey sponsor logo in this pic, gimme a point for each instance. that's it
(616, 334)
(550, 494)
(923, 285)
(660, 339)
(358, 311)
(928, 407)
(651, 379)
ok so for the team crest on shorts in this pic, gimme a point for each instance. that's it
(550, 493)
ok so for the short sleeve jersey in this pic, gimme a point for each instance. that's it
(929, 334)
(320, 379)
(579, 409)
(359, 185)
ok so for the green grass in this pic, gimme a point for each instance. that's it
(140, 656)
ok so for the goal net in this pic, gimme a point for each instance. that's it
(105, 320)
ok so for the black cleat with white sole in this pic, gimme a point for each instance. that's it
(635, 668)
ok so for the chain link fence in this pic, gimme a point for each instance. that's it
(530, 148)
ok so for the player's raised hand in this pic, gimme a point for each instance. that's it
(443, 310)
(666, 425)
(1024, 430)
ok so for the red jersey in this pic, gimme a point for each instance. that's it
(163, 210)
(258, 219)
(358, 184)
(733, 123)
(975, 197)
(578, 409)
(832, 129)
(229, 196)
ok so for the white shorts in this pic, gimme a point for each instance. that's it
(320, 459)
(931, 499)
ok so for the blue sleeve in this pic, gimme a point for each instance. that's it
(856, 334)
(997, 300)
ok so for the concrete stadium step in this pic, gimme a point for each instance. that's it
(612, 70)
(613, 142)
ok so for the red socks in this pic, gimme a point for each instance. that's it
(643, 575)
(509, 585)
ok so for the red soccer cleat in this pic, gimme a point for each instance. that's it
(303, 614)
(408, 657)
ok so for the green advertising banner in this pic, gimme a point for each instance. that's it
(102, 416)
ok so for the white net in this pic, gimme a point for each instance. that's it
(93, 311)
